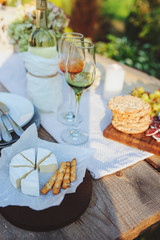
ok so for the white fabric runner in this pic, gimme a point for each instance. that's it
(109, 156)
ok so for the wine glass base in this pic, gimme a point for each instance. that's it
(68, 119)
(70, 138)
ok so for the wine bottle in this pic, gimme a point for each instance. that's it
(41, 41)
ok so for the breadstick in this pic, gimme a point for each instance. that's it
(47, 187)
(68, 164)
(66, 179)
(73, 170)
(59, 179)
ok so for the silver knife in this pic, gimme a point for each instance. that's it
(6, 136)
(0, 136)
(4, 108)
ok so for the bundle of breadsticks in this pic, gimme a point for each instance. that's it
(62, 177)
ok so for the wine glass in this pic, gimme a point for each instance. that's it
(80, 74)
(67, 118)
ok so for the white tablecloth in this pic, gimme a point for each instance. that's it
(109, 156)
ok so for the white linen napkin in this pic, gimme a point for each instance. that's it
(44, 84)
(109, 156)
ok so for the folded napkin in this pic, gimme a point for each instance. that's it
(109, 156)
(44, 85)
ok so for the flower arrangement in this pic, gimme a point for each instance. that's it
(24, 22)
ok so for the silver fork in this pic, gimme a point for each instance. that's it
(4, 108)
(6, 136)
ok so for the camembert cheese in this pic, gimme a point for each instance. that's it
(22, 169)
(49, 164)
(30, 184)
(20, 161)
(17, 173)
(42, 154)
(29, 155)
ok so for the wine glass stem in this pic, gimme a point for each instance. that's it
(70, 112)
(76, 124)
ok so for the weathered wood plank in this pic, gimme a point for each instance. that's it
(154, 161)
(134, 196)
(93, 225)
(45, 135)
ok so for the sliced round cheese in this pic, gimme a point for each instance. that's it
(17, 173)
(42, 154)
(30, 184)
(22, 171)
(49, 164)
(29, 155)
(20, 161)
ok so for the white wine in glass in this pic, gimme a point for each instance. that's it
(80, 74)
(67, 118)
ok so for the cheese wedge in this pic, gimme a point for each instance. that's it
(30, 184)
(42, 154)
(22, 173)
(17, 173)
(20, 161)
(49, 164)
(29, 155)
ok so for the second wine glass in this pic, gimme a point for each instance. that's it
(67, 118)
(80, 74)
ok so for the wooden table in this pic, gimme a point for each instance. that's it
(123, 204)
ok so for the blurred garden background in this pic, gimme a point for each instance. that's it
(126, 31)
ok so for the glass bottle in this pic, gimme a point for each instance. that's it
(41, 41)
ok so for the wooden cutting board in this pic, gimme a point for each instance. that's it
(139, 141)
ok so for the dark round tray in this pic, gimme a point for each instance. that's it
(71, 208)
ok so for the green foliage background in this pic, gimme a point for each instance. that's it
(124, 30)
(138, 44)
(65, 4)
(117, 9)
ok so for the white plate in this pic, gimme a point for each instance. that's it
(20, 109)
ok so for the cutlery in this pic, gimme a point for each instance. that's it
(0, 137)
(4, 108)
(6, 136)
